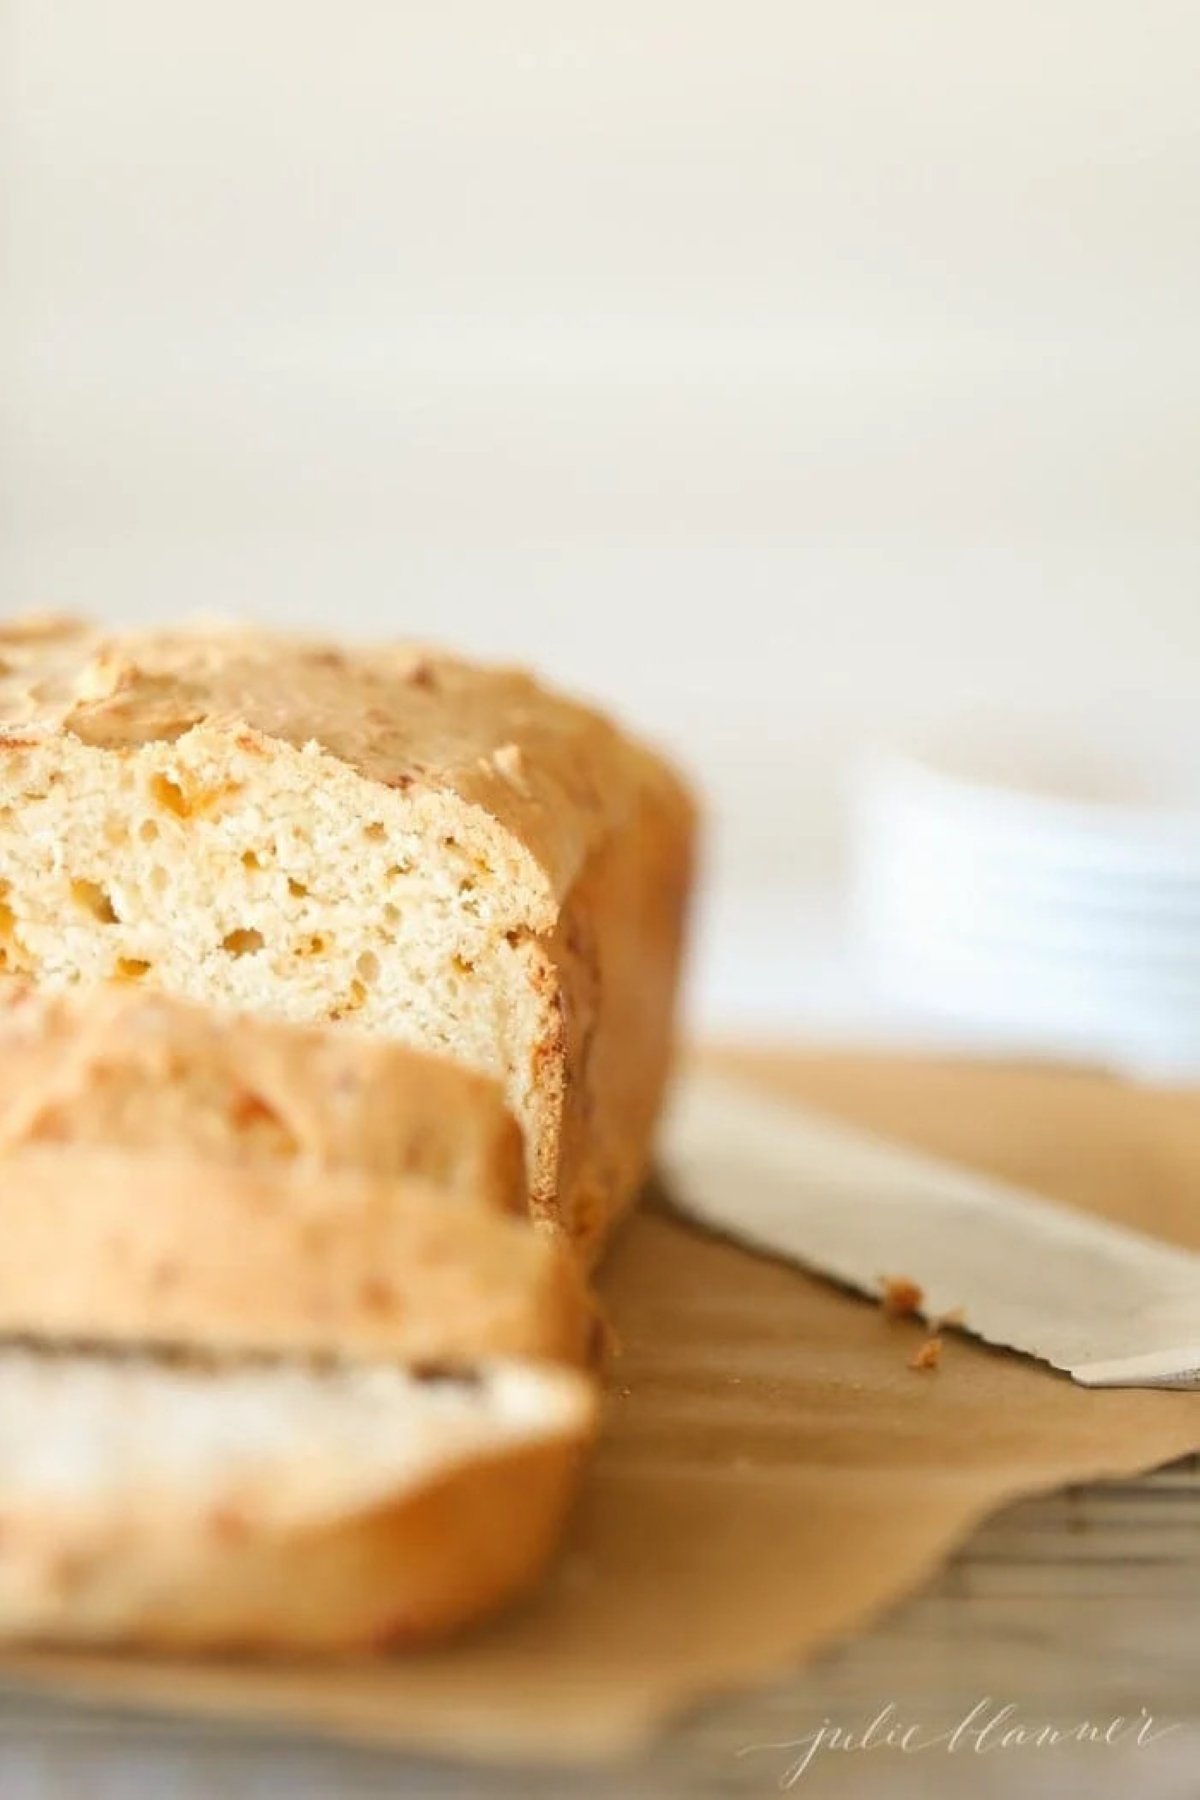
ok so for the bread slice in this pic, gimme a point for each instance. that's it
(107, 1244)
(448, 855)
(172, 1175)
(127, 1068)
(274, 1507)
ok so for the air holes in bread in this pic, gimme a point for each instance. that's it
(242, 943)
(91, 898)
(170, 796)
(355, 997)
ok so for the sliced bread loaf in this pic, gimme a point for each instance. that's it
(448, 855)
(274, 1506)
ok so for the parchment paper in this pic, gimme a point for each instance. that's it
(774, 1472)
(1110, 1305)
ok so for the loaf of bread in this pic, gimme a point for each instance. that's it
(276, 1505)
(179, 1177)
(446, 855)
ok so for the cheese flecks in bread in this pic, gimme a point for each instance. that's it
(445, 854)
(274, 1506)
(122, 1066)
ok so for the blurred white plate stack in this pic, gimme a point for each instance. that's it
(1046, 913)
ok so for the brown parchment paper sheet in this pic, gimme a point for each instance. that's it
(773, 1472)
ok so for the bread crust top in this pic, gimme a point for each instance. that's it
(556, 776)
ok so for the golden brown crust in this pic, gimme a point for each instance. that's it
(557, 776)
(101, 1244)
(617, 953)
(121, 1066)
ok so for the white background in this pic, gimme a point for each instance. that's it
(785, 374)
